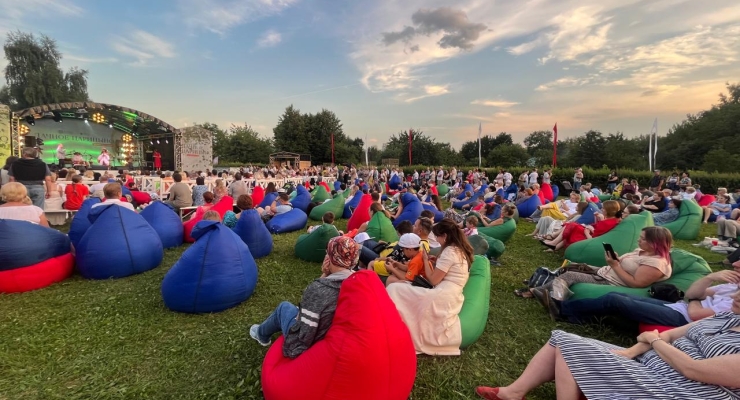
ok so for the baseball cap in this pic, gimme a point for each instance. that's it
(410, 241)
(343, 252)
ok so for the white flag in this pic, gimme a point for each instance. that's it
(480, 129)
(654, 133)
(215, 160)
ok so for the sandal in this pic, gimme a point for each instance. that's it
(523, 293)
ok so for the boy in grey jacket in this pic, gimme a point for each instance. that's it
(305, 325)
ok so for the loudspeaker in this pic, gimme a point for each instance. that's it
(30, 141)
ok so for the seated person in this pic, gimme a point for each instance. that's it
(327, 219)
(468, 196)
(208, 199)
(181, 195)
(475, 204)
(373, 253)
(523, 195)
(689, 193)
(648, 264)
(573, 232)
(374, 208)
(560, 210)
(656, 203)
(304, 326)
(719, 208)
(411, 246)
(549, 227)
(18, 206)
(281, 205)
(76, 193)
(471, 226)
(507, 213)
(670, 214)
(243, 202)
(211, 215)
(113, 194)
(96, 190)
(702, 300)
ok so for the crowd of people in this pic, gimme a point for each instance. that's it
(426, 270)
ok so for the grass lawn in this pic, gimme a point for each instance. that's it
(84, 339)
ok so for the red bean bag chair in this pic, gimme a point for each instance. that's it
(258, 194)
(433, 189)
(649, 327)
(542, 197)
(140, 197)
(546, 190)
(707, 199)
(365, 355)
(388, 190)
(326, 186)
(361, 213)
(225, 204)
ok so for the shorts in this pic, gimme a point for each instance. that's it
(379, 268)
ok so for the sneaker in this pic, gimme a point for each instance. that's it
(254, 335)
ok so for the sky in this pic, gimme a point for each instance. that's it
(384, 66)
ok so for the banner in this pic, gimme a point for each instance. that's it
(6, 145)
(196, 150)
(77, 136)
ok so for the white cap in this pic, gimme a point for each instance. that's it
(410, 241)
(361, 237)
(281, 190)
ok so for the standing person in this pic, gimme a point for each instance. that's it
(4, 177)
(61, 155)
(547, 176)
(523, 179)
(577, 179)
(104, 159)
(157, 160)
(611, 181)
(33, 173)
(533, 177)
(656, 182)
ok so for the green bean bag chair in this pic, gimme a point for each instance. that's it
(495, 247)
(380, 228)
(319, 195)
(604, 197)
(622, 237)
(335, 205)
(479, 244)
(687, 226)
(649, 221)
(474, 313)
(312, 246)
(443, 189)
(346, 193)
(293, 194)
(687, 269)
(502, 232)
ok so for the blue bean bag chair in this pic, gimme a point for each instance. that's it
(215, 273)
(588, 217)
(438, 215)
(350, 206)
(412, 208)
(528, 207)
(167, 224)
(119, 243)
(80, 223)
(468, 188)
(302, 199)
(512, 189)
(395, 182)
(555, 191)
(268, 199)
(253, 232)
(337, 185)
(293, 220)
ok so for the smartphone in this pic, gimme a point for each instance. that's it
(609, 249)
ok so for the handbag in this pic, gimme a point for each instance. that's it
(666, 292)
(420, 281)
(541, 277)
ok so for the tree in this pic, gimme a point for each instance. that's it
(469, 151)
(508, 155)
(720, 160)
(290, 132)
(241, 144)
(538, 140)
(374, 155)
(33, 74)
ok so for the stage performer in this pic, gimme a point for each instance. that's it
(157, 160)
(61, 155)
(104, 159)
(77, 160)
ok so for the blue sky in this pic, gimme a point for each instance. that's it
(387, 65)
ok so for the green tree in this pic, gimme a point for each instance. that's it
(374, 155)
(290, 132)
(469, 150)
(33, 74)
(246, 145)
(720, 160)
(508, 155)
(538, 140)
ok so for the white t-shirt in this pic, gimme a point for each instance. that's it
(507, 176)
(533, 177)
(117, 202)
(546, 178)
(719, 302)
(22, 213)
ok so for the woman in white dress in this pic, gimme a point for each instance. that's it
(104, 158)
(432, 314)
(54, 202)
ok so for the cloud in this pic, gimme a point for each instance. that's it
(221, 16)
(14, 9)
(494, 103)
(430, 91)
(269, 39)
(143, 46)
(90, 60)
(563, 82)
(457, 31)
(414, 48)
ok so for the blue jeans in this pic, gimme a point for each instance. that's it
(576, 186)
(366, 252)
(639, 309)
(280, 320)
(37, 195)
(611, 186)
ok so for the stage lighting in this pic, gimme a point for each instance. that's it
(110, 126)
(57, 116)
(167, 141)
(30, 120)
(86, 121)
(157, 141)
(151, 142)
(98, 117)
(23, 130)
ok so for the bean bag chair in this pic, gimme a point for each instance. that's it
(258, 194)
(687, 268)
(361, 213)
(512, 189)
(320, 195)
(468, 188)
(335, 205)
(254, 233)
(216, 273)
(337, 185)
(119, 243)
(395, 182)
(604, 197)
(438, 215)
(346, 193)
(542, 198)
(225, 204)
(649, 221)
(302, 199)
(42, 256)
(622, 237)
(546, 190)
(495, 247)
(687, 226)
(312, 246)
(293, 194)
(443, 189)
(642, 327)
(529, 206)
(140, 197)
(365, 355)
(293, 220)
(80, 223)
(380, 228)
(165, 222)
(412, 209)
(268, 199)
(555, 192)
(706, 200)
(502, 232)
(434, 190)
(479, 244)
(326, 186)
(474, 313)
(588, 217)
(351, 205)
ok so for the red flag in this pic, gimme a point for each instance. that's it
(332, 147)
(555, 146)
(410, 144)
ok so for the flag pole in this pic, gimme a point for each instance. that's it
(555, 146)
(480, 129)
(367, 147)
(655, 149)
(411, 133)
(650, 152)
